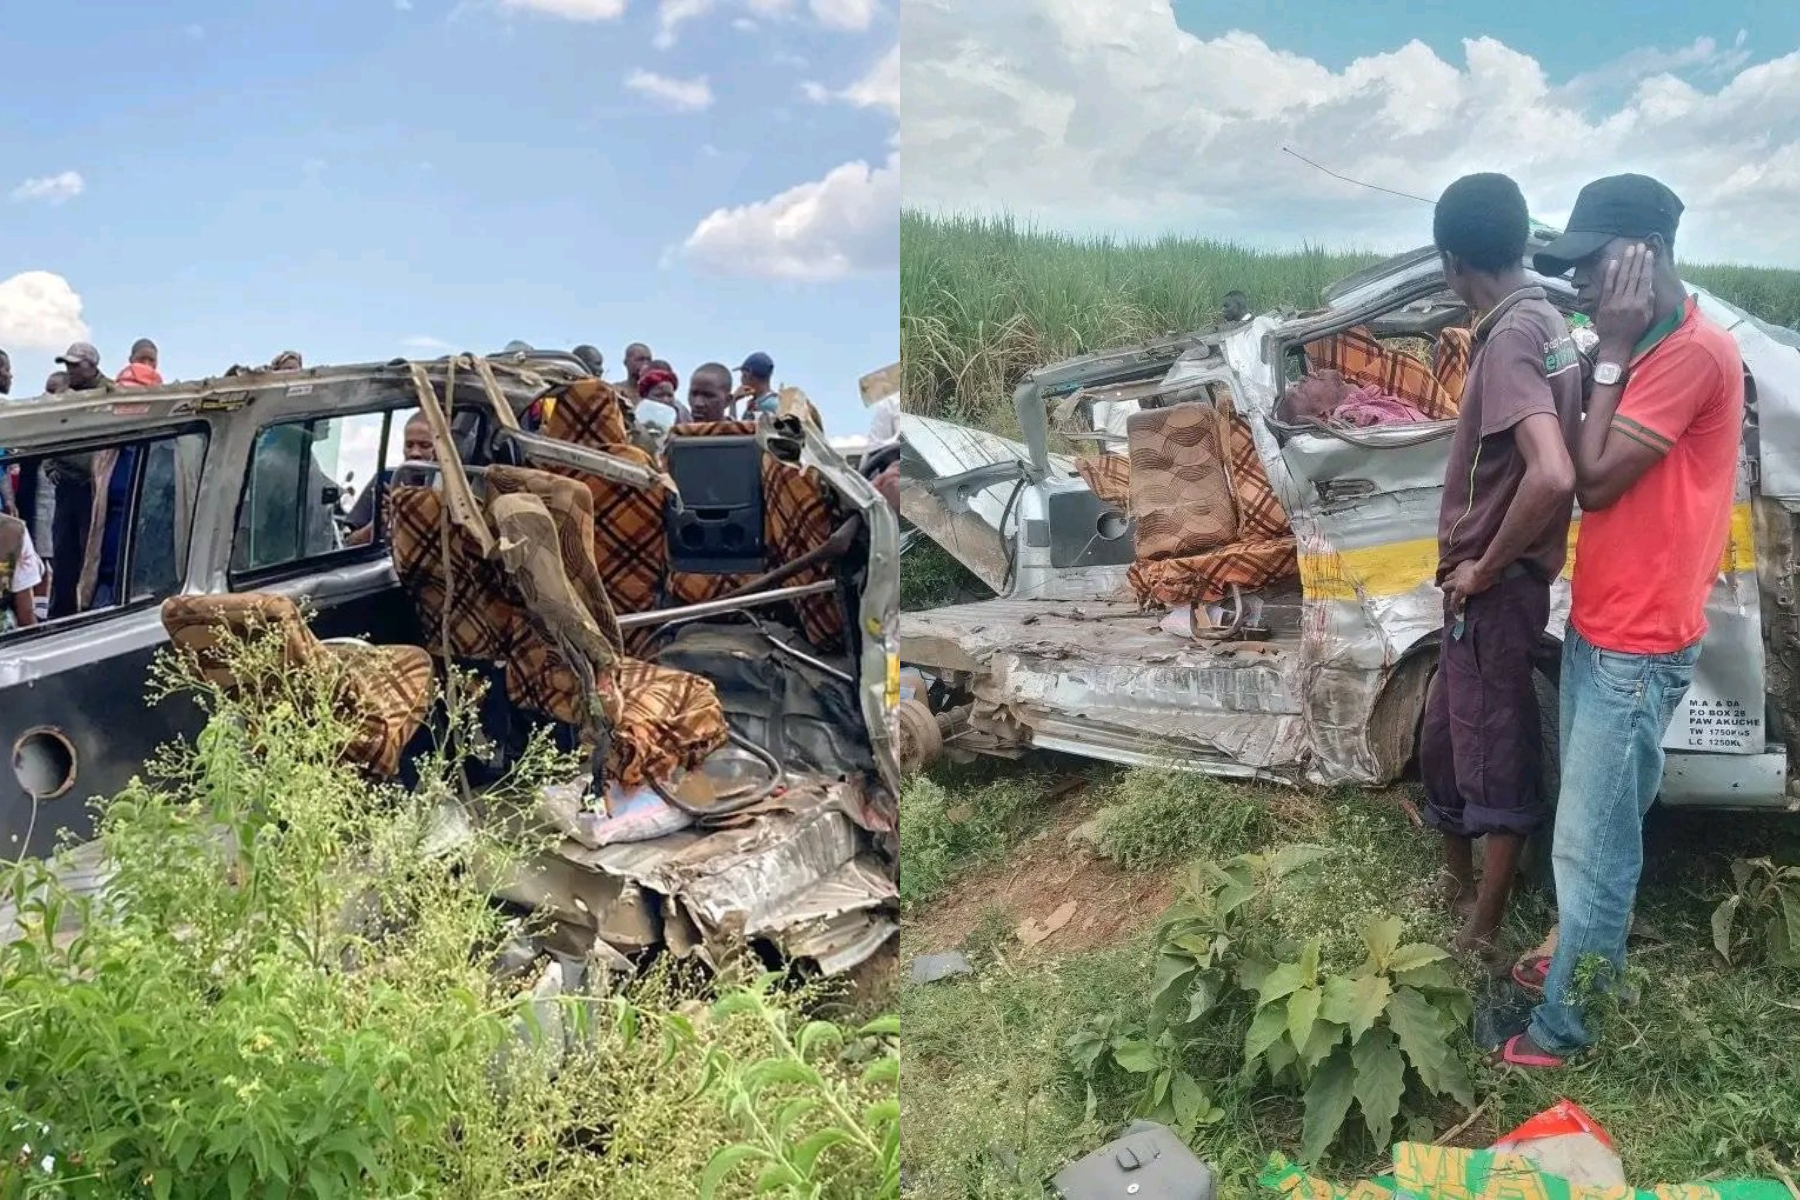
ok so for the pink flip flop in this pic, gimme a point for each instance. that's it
(1531, 974)
(1512, 1056)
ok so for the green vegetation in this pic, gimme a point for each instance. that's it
(982, 301)
(1761, 916)
(1693, 1080)
(1157, 818)
(962, 817)
(1335, 1036)
(292, 989)
(931, 578)
(1038, 1059)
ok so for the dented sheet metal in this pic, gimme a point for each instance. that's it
(1335, 698)
(791, 870)
(1107, 674)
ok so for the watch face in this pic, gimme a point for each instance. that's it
(1607, 373)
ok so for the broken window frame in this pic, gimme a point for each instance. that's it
(125, 597)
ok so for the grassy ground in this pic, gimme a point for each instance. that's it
(1693, 1083)
(983, 301)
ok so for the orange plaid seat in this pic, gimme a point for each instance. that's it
(660, 719)
(1450, 360)
(386, 689)
(1362, 359)
(1264, 552)
(799, 515)
(1108, 476)
(629, 550)
(1207, 578)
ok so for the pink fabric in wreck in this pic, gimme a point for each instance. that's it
(1368, 406)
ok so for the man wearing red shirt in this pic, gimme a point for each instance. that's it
(1656, 470)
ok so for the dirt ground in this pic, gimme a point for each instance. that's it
(1033, 888)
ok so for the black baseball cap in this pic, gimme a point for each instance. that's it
(1631, 206)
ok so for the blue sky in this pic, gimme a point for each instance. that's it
(1171, 116)
(361, 180)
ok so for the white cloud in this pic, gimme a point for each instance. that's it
(880, 88)
(1113, 117)
(682, 95)
(425, 342)
(672, 14)
(1649, 61)
(40, 311)
(52, 189)
(570, 10)
(844, 14)
(842, 225)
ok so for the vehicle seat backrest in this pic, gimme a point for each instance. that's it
(485, 623)
(1450, 362)
(479, 624)
(558, 651)
(571, 507)
(1108, 476)
(1260, 516)
(1180, 488)
(629, 549)
(799, 515)
(386, 690)
(205, 626)
(1362, 359)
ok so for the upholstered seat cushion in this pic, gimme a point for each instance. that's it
(386, 690)
(1180, 489)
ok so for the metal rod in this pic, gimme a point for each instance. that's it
(548, 451)
(822, 667)
(688, 612)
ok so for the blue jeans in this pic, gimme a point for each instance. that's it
(1615, 710)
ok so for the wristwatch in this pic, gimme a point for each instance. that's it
(1609, 374)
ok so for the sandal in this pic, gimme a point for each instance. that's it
(1510, 1055)
(1531, 973)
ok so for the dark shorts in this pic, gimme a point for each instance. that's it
(1481, 746)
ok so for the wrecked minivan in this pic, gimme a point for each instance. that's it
(1202, 584)
(711, 618)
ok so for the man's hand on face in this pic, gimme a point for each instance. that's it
(1467, 579)
(1627, 302)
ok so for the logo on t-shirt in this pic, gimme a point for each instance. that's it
(1560, 355)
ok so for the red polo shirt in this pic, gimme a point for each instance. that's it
(1644, 566)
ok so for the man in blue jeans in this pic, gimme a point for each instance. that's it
(1656, 468)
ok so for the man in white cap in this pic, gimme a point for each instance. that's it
(82, 362)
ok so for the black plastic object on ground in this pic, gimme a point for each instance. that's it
(1502, 1011)
(1146, 1162)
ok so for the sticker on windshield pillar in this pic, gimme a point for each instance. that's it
(1722, 723)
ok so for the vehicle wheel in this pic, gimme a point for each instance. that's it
(1535, 863)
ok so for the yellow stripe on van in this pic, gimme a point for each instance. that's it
(1395, 568)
